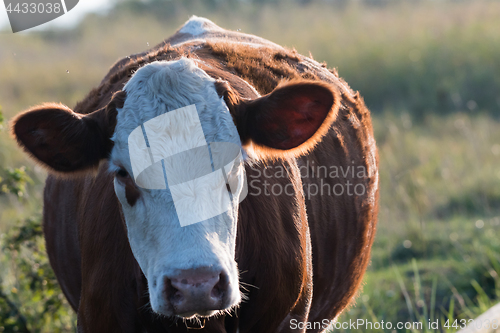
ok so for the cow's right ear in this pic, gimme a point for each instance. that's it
(65, 141)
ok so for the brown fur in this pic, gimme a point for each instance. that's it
(299, 257)
(263, 68)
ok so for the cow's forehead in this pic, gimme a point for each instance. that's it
(164, 87)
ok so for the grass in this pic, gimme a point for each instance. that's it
(436, 242)
(429, 73)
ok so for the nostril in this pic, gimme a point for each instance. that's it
(220, 287)
(224, 280)
(173, 294)
(176, 296)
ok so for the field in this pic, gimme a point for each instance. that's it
(428, 70)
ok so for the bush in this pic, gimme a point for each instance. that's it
(30, 297)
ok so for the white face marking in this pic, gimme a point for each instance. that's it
(161, 245)
(170, 151)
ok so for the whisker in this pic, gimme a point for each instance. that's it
(248, 284)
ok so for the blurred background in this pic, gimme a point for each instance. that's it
(429, 71)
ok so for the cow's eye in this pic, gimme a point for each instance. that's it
(122, 173)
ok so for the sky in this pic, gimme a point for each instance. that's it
(70, 19)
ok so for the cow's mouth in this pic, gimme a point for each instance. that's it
(197, 315)
(195, 323)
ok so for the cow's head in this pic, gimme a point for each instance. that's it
(170, 139)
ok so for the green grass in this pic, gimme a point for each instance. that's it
(429, 71)
(439, 219)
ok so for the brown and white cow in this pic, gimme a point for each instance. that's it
(292, 252)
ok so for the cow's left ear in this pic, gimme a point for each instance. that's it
(290, 120)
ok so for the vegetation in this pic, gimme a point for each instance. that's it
(436, 249)
(429, 72)
(30, 297)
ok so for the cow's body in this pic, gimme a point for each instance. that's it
(299, 257)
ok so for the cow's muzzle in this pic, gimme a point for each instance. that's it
(197, 292)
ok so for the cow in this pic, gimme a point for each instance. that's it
(290, 246)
